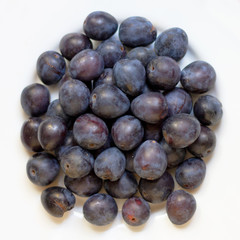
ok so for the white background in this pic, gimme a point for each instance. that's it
(27, 28)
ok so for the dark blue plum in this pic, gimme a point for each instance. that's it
(143, 54)
(181, 130)
(150, 161)
(51, 67)
(112, 50)
(174, 155)
(172, 43)
(180, 207)
(152, 131)
(68, 142)
(57, 200)
(55, 110)
(205, 143)
(90, 131)
(100, 25)
(100, 209)
(198, 77)
(127, 132)
(125, 187)
(86, 65)
(137, 31)
(29, 132)
(163, 73)
(84, 186)
(135, 211)
(74, 97)
(76, 162)
(179, 101)
(73, 43)
(51, 133)
(108, 101)
(110, 164)
(150, 107)
(208, 110)
(105, 77)
(35, 99)
(158, 190)
(191, 173)
(42, 169)
(130, 76)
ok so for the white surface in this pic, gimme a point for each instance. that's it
(30, 27)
